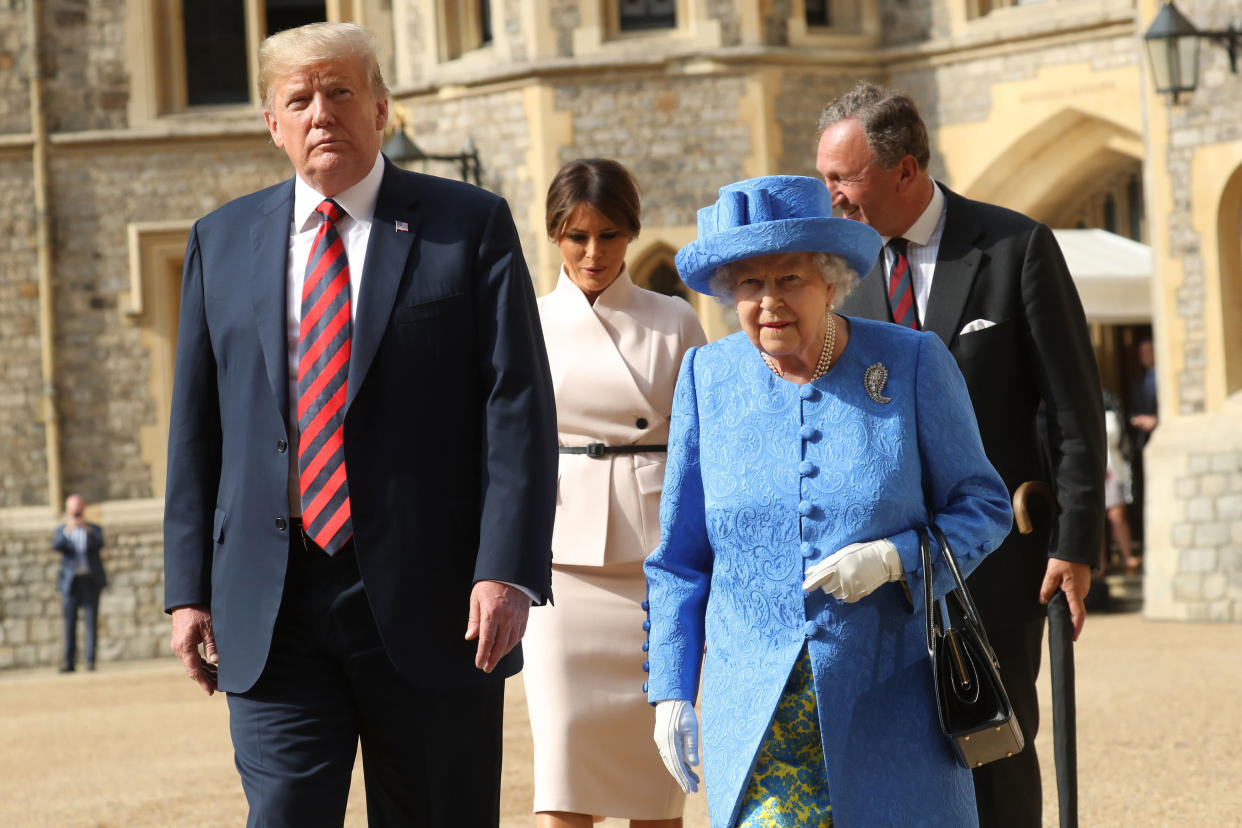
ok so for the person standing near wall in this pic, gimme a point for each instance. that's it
(81, 578)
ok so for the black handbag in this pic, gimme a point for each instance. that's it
(974, 708)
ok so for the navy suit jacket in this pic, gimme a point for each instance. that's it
(64, 545)
(450, 426)
(1000, 266)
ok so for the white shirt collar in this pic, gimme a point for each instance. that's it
(358, 201)
(921, 231)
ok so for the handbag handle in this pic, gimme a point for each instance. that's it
(963, 594)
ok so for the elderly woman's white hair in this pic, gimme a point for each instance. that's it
(285, 52)
(833, 269)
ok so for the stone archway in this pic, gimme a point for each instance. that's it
(1229, 251)
(655, 269)
(1049, 171)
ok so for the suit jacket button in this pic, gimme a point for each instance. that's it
(281, 446)
(281, 525)
(641, 422)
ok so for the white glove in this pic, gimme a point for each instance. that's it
(677, 737)
(855, 571)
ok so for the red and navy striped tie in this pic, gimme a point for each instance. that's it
(323, 367)
(901, 287)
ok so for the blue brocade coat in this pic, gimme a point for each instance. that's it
(766, 478)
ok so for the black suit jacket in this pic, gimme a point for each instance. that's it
(450, 426)
(1000, 266)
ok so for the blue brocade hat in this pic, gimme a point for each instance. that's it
(773, 214)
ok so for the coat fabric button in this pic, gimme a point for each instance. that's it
(645, 605)
(807, 550)
(646, 626)
(641, 422)
(646, 646)
(807, 392)
(281, 524)
(644, 687)
(806, 468)
(808, 629)
(808, 432)
(805, 508)
(646, 667)
(281, 446)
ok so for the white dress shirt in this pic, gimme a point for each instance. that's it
(354, 227)
(924, 245)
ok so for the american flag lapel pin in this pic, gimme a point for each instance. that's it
(402, 227)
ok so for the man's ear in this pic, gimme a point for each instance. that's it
(273, 126)
(381, 114)
(907, 172)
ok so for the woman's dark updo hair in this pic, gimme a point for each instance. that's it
(602, 183)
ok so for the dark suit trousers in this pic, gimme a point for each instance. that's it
(84, 594)
(1008, 793)
(431, 756)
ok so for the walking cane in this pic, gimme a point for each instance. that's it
(1061, 662)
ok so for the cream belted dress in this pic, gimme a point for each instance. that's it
(614, 368)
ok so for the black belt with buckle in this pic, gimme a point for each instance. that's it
(599, 449)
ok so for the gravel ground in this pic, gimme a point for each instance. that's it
(136, 744)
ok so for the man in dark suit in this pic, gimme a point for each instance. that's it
(993, 286)
(362, 462)
(80, 580)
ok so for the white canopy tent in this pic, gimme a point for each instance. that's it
(1112, 274)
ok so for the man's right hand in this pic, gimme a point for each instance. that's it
(191, 626)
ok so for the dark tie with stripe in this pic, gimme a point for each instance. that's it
(901, 287)
(323, 367)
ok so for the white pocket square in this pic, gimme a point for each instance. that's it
(977, 325)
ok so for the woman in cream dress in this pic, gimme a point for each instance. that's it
(614, 350)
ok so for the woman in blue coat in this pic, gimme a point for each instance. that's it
(804, 453)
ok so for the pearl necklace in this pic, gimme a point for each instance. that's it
(825, 355)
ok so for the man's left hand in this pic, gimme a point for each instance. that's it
(1074, 579)
(498, 619)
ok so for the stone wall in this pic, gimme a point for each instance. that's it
(132, 622)
(1210, 116)
(23, 458)
(97, 190)
(910, 21)
(1194, 518)
(87, 81)
(682, 137)
(14, 77)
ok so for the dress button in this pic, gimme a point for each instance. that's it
(808, 629)
(646, 667)
(646, 646)
(281, 524)
(805, 508)
(808, 432)
(806, 468)
(641, 422)
(645, 605)
(646, 626)
(807, 550)
(281, 446)
(807, 392)
(644, 687)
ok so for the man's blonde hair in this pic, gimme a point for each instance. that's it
(285, 52)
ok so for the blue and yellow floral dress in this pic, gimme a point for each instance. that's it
(766, 478)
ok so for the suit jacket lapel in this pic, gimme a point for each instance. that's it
(870, 298)
(957, 267)
(269, 236)
(388, 250)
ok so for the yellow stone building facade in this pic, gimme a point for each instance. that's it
(143, 117)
